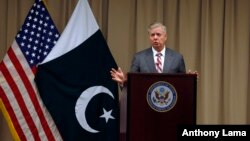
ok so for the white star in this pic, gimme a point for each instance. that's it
(107, 115)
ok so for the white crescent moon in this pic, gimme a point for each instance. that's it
(83, 101)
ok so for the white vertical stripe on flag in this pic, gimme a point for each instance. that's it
(79, 31)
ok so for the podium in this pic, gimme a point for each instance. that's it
(158, 103)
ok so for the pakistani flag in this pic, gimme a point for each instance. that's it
(74, 81)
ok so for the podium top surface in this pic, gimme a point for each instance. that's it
(163, 74)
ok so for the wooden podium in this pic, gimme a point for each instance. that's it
(158, 103)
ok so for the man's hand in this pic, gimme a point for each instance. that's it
(118, 76)
(194, 72)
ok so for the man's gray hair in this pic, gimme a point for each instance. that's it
(155, 25)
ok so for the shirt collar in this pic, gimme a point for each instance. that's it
(162, 52)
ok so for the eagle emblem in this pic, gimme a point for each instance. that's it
(161, 96)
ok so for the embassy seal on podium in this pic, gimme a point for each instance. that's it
(161, 96)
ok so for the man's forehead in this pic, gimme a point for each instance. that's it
(157, 32)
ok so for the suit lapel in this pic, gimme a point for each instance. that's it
(149, 58)
(167, 61)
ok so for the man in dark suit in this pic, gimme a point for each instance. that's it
(157, 58)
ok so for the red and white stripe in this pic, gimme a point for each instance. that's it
(20, 97)
(158, 63)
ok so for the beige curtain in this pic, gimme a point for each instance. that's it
(213, 36)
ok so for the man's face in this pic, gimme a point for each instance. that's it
(157, 38)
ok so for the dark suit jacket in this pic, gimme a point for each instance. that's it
(143, 61)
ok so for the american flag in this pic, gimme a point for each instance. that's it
(22, 106)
